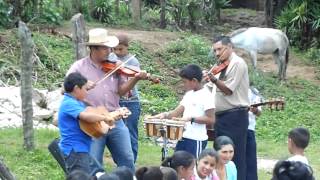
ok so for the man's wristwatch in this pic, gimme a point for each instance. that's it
(192, 120)
(213, 79)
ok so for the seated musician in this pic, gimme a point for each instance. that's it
(75, 144)
(196, 108)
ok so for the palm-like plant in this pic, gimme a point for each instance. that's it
(301, 19)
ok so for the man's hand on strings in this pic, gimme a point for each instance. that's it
(142, 75)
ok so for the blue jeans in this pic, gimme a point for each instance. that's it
(251, 156)
(132, 123)
(118, 142)
(82, 161)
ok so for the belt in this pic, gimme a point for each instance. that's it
(232, 110)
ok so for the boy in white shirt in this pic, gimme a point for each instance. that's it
(298, 140)
(196, 109)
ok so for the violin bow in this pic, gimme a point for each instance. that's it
(114, 70)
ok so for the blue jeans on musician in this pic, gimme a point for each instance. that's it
(118, 142)
(132, 123)
(83, 162)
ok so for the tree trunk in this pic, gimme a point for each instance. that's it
(57, 2)
(117, 7)
(27, 50)
(163, 14)
(76, 6)
(92, 5)
(79, 35)
(268, 12)
(136, 11)
(5, 172)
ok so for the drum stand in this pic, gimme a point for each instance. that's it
(164, 149)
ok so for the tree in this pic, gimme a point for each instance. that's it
(163, 14)
(136, 11)
(27, 51)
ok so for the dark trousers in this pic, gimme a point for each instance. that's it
(251, 156)
(192, 146)
(234, 124)
(83, 162)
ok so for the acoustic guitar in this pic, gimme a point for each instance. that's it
(273, 104)
(97, 129)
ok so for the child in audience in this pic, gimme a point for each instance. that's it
(168, 173)
(292, 170)
(226, 169)
(298, 140)
(206, 164)
(152, 172)
(181, 161)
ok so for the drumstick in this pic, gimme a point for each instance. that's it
(114, 70)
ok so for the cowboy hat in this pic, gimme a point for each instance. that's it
(100, 37)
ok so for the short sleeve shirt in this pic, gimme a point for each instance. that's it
(237, 80)
(72, 137)
(106, 92)
(195, 104)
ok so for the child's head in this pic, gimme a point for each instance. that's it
(181, 161)
(124, 173)
(225, 147)
(152, 172)
(76, 84)
(206, 162)
(191, 76)
(168, 173)
(122, 49)
(292, 170)
(298, 138)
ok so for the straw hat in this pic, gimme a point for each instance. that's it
(100, 37)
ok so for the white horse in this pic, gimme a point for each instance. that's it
(264, 41)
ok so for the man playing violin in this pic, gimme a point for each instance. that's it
(74, 143)
(231, 100)
(106, 92)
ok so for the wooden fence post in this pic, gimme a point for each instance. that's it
(27, 51)
(79, 35)
(5, 172)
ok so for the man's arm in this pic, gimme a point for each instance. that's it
(220, 85)
(127, 86)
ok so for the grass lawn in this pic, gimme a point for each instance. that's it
(39, 164)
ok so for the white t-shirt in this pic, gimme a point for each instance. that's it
(195, 104)
(253, 98)
(300, 158)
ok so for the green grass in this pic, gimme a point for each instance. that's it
(39, 164)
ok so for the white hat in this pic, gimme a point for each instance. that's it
(99, 37)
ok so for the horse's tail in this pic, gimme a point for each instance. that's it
(287, 55)
(287, 50)
(238, 31)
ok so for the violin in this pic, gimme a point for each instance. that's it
(217, 69)
(127, 71)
